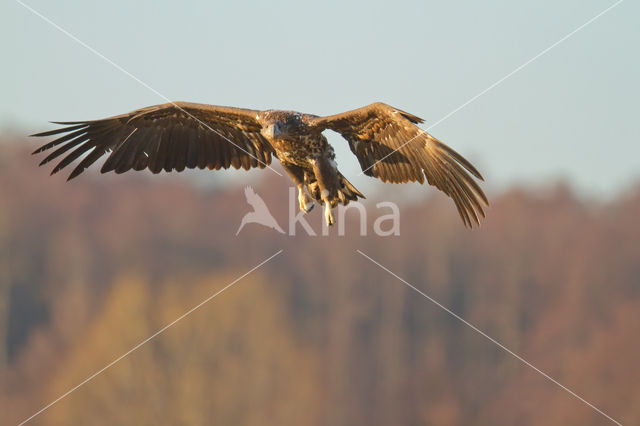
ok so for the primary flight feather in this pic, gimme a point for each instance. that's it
(178, 135)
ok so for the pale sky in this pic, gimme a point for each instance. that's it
(571, 114)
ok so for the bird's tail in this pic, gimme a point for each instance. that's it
(346, 191)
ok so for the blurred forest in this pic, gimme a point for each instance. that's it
(319, 335)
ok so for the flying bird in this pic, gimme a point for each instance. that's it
(177, 135)
(260, 213)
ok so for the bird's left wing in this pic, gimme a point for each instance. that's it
(391, 147)
(171, 136)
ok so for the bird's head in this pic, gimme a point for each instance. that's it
(274, 129)
(281, 124)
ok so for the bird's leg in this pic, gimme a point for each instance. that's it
(328, 215)
(297, 174)
(327, 176)
(305, 200)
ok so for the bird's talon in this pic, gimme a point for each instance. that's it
(328, 215)
(305, 201)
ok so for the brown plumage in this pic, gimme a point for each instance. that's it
(180, 135)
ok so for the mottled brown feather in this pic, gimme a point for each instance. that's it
(169, 135)
(390, 146)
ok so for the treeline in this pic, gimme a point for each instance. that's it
(320, 334)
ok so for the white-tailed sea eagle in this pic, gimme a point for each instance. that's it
(178, 135)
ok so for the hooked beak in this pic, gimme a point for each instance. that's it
(272, 131)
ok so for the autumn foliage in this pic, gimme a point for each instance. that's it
(319, 335)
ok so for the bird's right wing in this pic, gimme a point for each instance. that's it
(171, 136)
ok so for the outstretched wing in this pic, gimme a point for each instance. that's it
(391, 147)
(172, 136)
